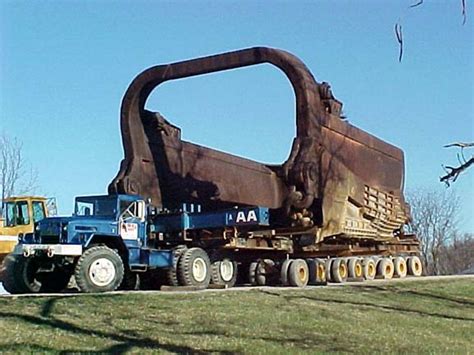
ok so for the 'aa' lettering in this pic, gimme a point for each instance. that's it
(252, 216)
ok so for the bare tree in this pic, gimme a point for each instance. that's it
(434, 221)
(16, 176)
(458, 256)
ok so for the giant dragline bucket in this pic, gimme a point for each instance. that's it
(335, 172)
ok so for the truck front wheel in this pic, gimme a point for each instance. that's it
(99, 269)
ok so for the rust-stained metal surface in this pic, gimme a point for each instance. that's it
(338, 179)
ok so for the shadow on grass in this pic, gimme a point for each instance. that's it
(123, 344)
(367, 304)
(392, 289)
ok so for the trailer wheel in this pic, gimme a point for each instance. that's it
(298, 273)
(172, 272)
(321, 272)
(328, 264)
(21, 275)
(284, 272)
(224, 272)
(312, 263)
(99, 269)
(261, 272)
(369, 268)
(354, 267)
(194, 268)
(415, 268)
(400, 267)
(339, 270)
(385, 268)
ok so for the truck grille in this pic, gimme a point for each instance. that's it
(50, 239)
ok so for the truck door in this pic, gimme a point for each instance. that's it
(132, 220)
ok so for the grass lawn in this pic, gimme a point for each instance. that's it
(413, 317)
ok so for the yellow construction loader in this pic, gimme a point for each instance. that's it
(19, 217)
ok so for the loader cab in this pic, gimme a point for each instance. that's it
(21, 213)
(19, 217)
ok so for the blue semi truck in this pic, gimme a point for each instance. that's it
(111, 240)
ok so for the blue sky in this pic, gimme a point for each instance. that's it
(65, 66)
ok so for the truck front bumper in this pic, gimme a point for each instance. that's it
(50, 250)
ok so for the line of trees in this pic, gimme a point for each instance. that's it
(435, 219)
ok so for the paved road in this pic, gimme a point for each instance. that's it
(247, 288)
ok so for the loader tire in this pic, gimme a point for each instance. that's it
(21, 276)
(385, 269)
(194, 268)
(298, 273)
(415, 267)
(224, 272)
(400, 267)
(99, 269)
(339, 270)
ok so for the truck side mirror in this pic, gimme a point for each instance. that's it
(141, 210)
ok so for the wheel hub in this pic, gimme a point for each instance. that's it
(226, 270)
(102, 272)
(199, 269)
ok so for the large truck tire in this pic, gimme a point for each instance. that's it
(21, 276)
(414, 266)
(194, 268)
(321, 272)
(99, 269)
(130, 282)
(354, 267)
(385, 269)
(262, 272)
(339, 270)
(224, 272)
(369, 268)
(172, 272)
(284, 272)
(328, 264)
(400, 267)
(298, 273)
(317, 271)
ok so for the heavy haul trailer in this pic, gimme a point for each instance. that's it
(336, 206)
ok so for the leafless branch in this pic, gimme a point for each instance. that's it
(459, 144)
(417, 4)
(452, 173)
(398, 33)
(464, 12)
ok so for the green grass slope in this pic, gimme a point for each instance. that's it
(413, 317)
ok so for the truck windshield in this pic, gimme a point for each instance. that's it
(103, 206)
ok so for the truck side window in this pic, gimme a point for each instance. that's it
(38, 211)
